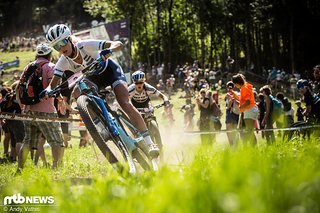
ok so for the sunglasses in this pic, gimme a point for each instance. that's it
(60, 44)
(137, 83)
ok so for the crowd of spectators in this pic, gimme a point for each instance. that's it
(200, 87)
(19, 43)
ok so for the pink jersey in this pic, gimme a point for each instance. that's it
(47, 74)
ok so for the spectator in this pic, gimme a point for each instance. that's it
(14, 128)
(161, 86)
(154, 73)
(316, 83)
(247, 106)
(232, 115)
(4, 91)
(262, 109)
(203, 103)
(160, 69)
(268, 121)
(40, 152)
(312, 111)
(170, 85)
(33, 129)
(287, 108)
(188, 109)
(299, 112)
(272, 78)
(229, 63)
(293, 87)
(167, 114)
(215, 111)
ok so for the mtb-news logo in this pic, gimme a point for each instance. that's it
(19, 199)
(12, 203)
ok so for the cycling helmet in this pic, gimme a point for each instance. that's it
(230, 84)
(138, 76)
(43, 49)
(57, 33)
(302, 83)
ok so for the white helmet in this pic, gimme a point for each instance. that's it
(138, 76)
(43, 49)
(57, 33)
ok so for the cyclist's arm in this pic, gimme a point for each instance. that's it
(58, 72)
(152, 90)
(163, 96)
(54, 82)
(113, 45)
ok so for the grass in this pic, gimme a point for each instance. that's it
(25, 57)
(283, 177)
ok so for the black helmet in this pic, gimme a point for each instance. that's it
(302, 83)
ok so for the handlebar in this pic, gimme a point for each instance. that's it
(150, 109)
(75, 78)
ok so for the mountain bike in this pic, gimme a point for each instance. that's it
(112, 131)
(152, 124)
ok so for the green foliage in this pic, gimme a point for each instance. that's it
(283, 177)
(253, 32)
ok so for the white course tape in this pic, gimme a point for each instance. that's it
(22, 117)
(12, 116)
(258, 130)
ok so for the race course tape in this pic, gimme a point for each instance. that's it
(258, 130)
(23, 117)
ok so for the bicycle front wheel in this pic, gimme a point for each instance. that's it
(95, 123)
(137, 153)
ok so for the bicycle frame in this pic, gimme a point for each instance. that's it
(115, 122)
(114, 126)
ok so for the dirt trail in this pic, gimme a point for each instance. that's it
(180, 147)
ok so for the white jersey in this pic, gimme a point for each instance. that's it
(89, 50)
(142, 96)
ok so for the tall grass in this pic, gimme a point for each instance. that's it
(283, 177)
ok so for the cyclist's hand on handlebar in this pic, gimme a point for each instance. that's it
(166, 103)
(44, 94)
(106, 53)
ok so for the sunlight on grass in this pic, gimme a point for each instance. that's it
(284, 177)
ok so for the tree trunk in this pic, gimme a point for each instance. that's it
(170, 40)
(292, 45)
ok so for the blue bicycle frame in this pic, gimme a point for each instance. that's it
(113, 125)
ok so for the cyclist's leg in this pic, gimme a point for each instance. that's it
(122, 96)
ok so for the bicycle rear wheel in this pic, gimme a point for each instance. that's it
(112, 148)
(155, 135)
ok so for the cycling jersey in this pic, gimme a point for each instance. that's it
(141, 99)
(111, 72)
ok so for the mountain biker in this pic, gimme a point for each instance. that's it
(77, 54)
(312, 101)
(140, 92)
